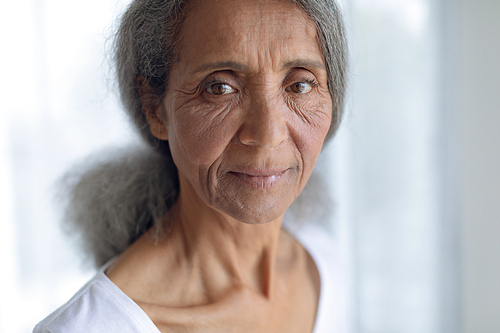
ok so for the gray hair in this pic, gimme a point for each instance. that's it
(114, 202)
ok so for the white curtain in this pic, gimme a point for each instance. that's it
(395, 170)
(385, 166)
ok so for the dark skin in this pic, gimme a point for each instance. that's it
(246, 113)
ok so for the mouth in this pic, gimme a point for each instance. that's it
(259, 179)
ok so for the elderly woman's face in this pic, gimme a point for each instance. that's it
(247, 106)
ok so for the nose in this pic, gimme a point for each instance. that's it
(264, 123)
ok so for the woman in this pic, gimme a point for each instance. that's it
(238, 98)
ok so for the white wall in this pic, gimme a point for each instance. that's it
(479, 130)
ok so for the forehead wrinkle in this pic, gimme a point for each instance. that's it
(237, 43)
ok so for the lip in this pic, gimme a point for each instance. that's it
(259, 179)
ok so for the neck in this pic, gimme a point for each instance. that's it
(221, 252)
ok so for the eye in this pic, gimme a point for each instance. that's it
(220, 89)
(300, 87)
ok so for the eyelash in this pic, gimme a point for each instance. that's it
(207, 84)
(310, 81)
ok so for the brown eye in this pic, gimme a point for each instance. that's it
(300, 87)
(220, 89)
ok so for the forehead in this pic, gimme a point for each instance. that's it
(247, 31)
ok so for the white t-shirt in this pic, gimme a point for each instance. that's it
(100, 306)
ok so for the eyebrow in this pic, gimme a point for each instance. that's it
(304, 63)
(233, 65)
(220, 65)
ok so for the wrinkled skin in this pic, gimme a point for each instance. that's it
(258, 125)
(246, 112)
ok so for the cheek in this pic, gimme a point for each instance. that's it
(311, 124)
(198, 136)
(309, 131)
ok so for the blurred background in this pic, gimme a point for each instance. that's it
(414, 170)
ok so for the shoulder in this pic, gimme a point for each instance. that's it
(99, 306)
(325, 251)
(323, 248)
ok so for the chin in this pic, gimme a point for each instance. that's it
(252, 201)
(255, 211)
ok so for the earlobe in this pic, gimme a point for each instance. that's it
(151, 106)
(156, 125)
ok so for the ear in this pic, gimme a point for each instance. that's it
(152, 106)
